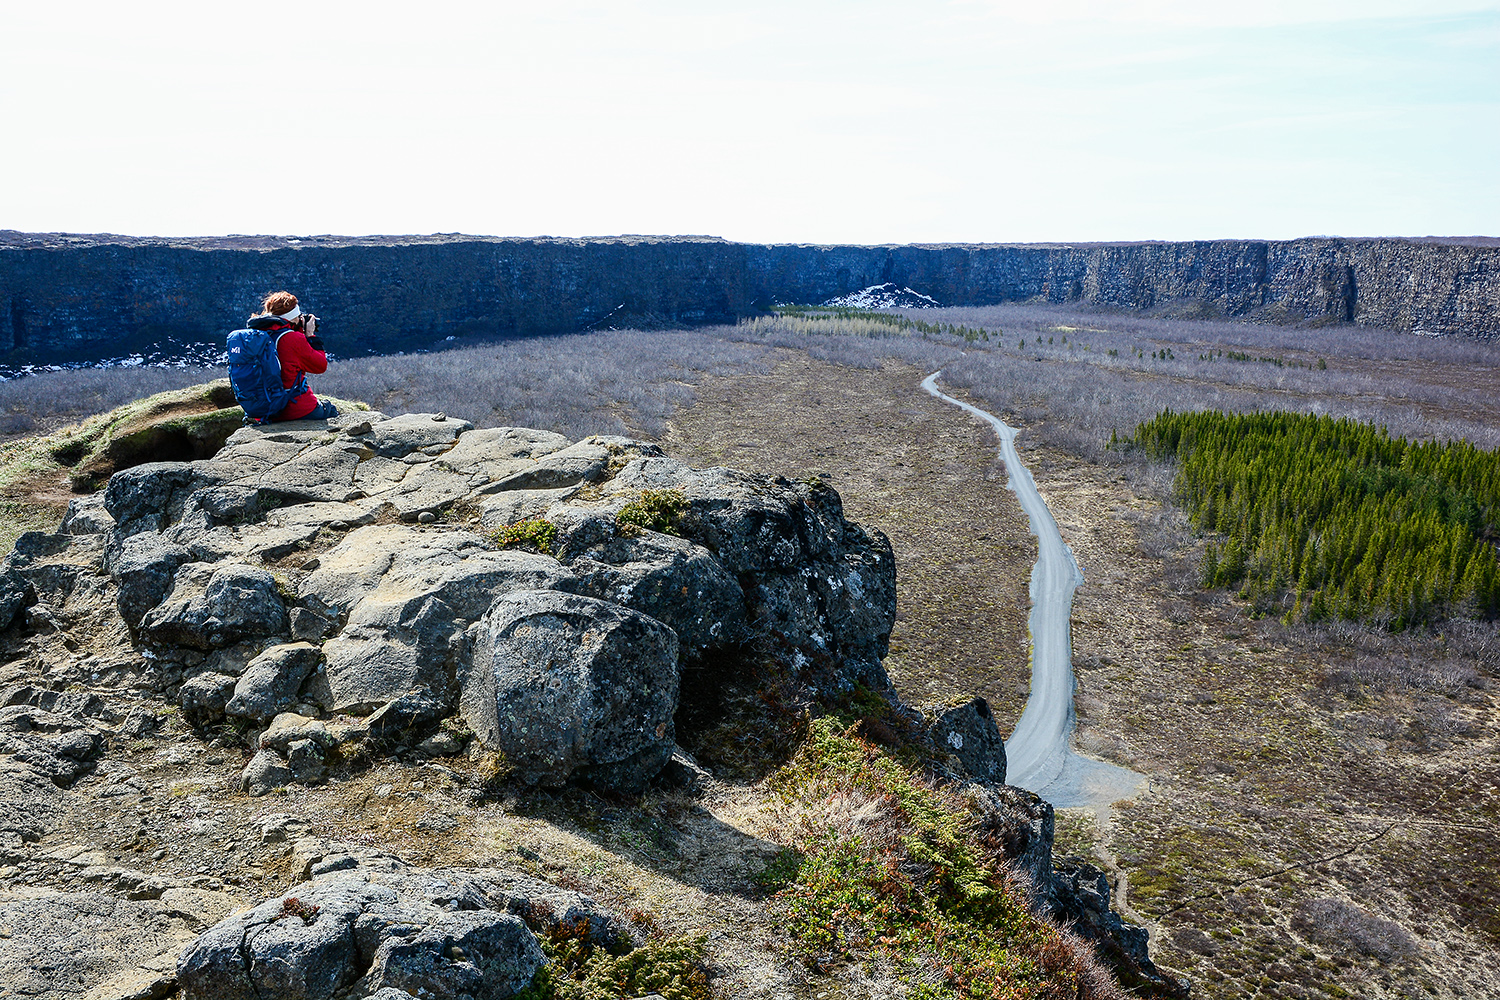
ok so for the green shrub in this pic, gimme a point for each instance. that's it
(535, 534)
(655, 510)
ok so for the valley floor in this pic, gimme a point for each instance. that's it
(1322, 817)
(1303, 835)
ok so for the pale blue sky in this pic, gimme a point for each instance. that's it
(972, 120)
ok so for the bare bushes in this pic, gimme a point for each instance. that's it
(613, 382)
(1343, 926)
(45, 401)
(854, 342)
(1454, 663)
(1404, 673)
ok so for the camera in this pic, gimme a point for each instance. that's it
(309, 323)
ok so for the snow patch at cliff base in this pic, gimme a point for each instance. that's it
(886, 296)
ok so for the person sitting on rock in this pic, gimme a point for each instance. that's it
(300, 352)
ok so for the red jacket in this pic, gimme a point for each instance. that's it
(297, 356)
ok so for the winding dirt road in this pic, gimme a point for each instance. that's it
(1039, 756)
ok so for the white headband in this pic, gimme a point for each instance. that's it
(289, 316)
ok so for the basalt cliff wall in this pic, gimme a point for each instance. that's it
(73, 297)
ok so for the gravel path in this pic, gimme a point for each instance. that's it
(1038, 752)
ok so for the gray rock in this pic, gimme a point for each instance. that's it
(465, 953)
(70, 704)
(825, 586)
(457, 566)
(87, 516)
(519, 505)
(584, 462)
(405, 595)
(969, 733)
(1021, 823)
(90, 945)
(33, 804)
(270, 683)
(682, 771)
(323, 474)
(58, 747)
(1080, 899)
(388, 652)
(279, 827)
(501, 446)
(318, 515)
(412, 713)
(374, 476)
(569, 686)
(14, 592)
(213, 606)
(442, 744)
(150, 497)
(126, 882)
(427, 490)
(671, 579)
(409, 432)
(289, 728)
(304, 758)
(356, 932)
(144, 567)
(308, 625)
(232, 504)
(204, 697)
(265, 773)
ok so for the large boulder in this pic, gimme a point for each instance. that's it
(143, 567)
(675, 581)
(271, 681)
(573, 687)
(359, 929)
(824, 586)
(212, 606)
(404, 594)
(149, 497)
(13, 596)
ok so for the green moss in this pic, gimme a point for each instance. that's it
(654, 510)
(534, 534)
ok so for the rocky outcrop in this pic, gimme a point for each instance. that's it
(80, 297)
(334, 583)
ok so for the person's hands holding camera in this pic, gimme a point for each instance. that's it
(310, 328)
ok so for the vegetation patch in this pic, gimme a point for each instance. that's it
(671, 966)
(654, 510)
(893, 874)
(1337, 518)
(533, 534)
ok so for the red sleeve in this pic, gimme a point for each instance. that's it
(297, 356)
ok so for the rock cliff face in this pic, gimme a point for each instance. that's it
(79, 297)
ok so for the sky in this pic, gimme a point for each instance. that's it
(802, 121)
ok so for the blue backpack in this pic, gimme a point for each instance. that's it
(255, 375)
